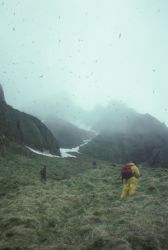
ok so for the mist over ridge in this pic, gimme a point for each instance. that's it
(114, 115)
(95, 51)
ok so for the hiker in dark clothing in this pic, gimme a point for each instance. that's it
(43, 174)
(94, 163)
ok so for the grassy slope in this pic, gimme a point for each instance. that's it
(79, 207)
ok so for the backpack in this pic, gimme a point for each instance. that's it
(126, 172)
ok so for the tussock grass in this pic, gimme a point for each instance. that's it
(79, 208)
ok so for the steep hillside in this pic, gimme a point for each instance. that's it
(67, 134)
(24, 129)
(126, 135)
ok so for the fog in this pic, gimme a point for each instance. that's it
(89, 52)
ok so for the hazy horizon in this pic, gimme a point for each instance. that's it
(92, 51)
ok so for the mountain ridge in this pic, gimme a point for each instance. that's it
(126, 135)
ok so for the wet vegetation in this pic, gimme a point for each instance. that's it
(79, 207)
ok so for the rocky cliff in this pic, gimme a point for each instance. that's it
(25, 129)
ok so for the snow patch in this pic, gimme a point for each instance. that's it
(45, 153)
(65, 152)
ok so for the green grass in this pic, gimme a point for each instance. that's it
(79, 208)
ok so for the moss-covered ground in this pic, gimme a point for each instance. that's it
(79, 207)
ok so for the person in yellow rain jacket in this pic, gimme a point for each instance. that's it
(130, 174)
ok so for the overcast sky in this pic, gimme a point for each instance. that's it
(96, 50)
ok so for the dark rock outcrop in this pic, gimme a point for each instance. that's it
(25, 129)
(2, 97)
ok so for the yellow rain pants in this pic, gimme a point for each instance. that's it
(129, 187)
